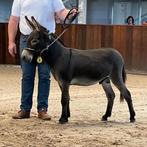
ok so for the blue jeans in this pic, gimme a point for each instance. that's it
(27, 83)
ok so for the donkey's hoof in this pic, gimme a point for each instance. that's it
(63, 120)
(132, 120)
(104, 118)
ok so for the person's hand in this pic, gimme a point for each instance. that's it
(73, 13)
(12, 49)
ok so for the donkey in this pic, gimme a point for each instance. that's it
(71, 66)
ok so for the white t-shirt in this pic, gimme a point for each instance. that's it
(42, 10)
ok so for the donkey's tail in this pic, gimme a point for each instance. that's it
(124, 77)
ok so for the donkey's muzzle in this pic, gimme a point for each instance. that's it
(27, 55)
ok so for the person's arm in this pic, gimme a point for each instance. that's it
(62, 14)
(12, 32)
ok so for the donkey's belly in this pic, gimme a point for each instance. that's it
(83, 81)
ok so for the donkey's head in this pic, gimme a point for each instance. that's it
(37, 40)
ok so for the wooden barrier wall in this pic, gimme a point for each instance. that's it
(5, 57)
(131, 41)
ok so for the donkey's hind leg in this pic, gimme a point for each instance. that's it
(110, 96)
(125, 93)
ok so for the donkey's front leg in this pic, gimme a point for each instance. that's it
(110, 96)
(65, 103)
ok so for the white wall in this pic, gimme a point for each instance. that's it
(144, 11)
(124, 9)
(5, 10)
(99, 11)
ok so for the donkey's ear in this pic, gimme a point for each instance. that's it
(37, 25)
(30, 24)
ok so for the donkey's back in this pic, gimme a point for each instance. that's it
(91, 66)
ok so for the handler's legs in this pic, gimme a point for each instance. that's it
(27, 84)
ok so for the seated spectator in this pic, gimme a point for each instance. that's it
(130, 20)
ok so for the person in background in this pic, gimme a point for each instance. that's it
(44, 12)
(130, 20)
(144, 23)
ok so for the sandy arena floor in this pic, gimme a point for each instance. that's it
(85, 128)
